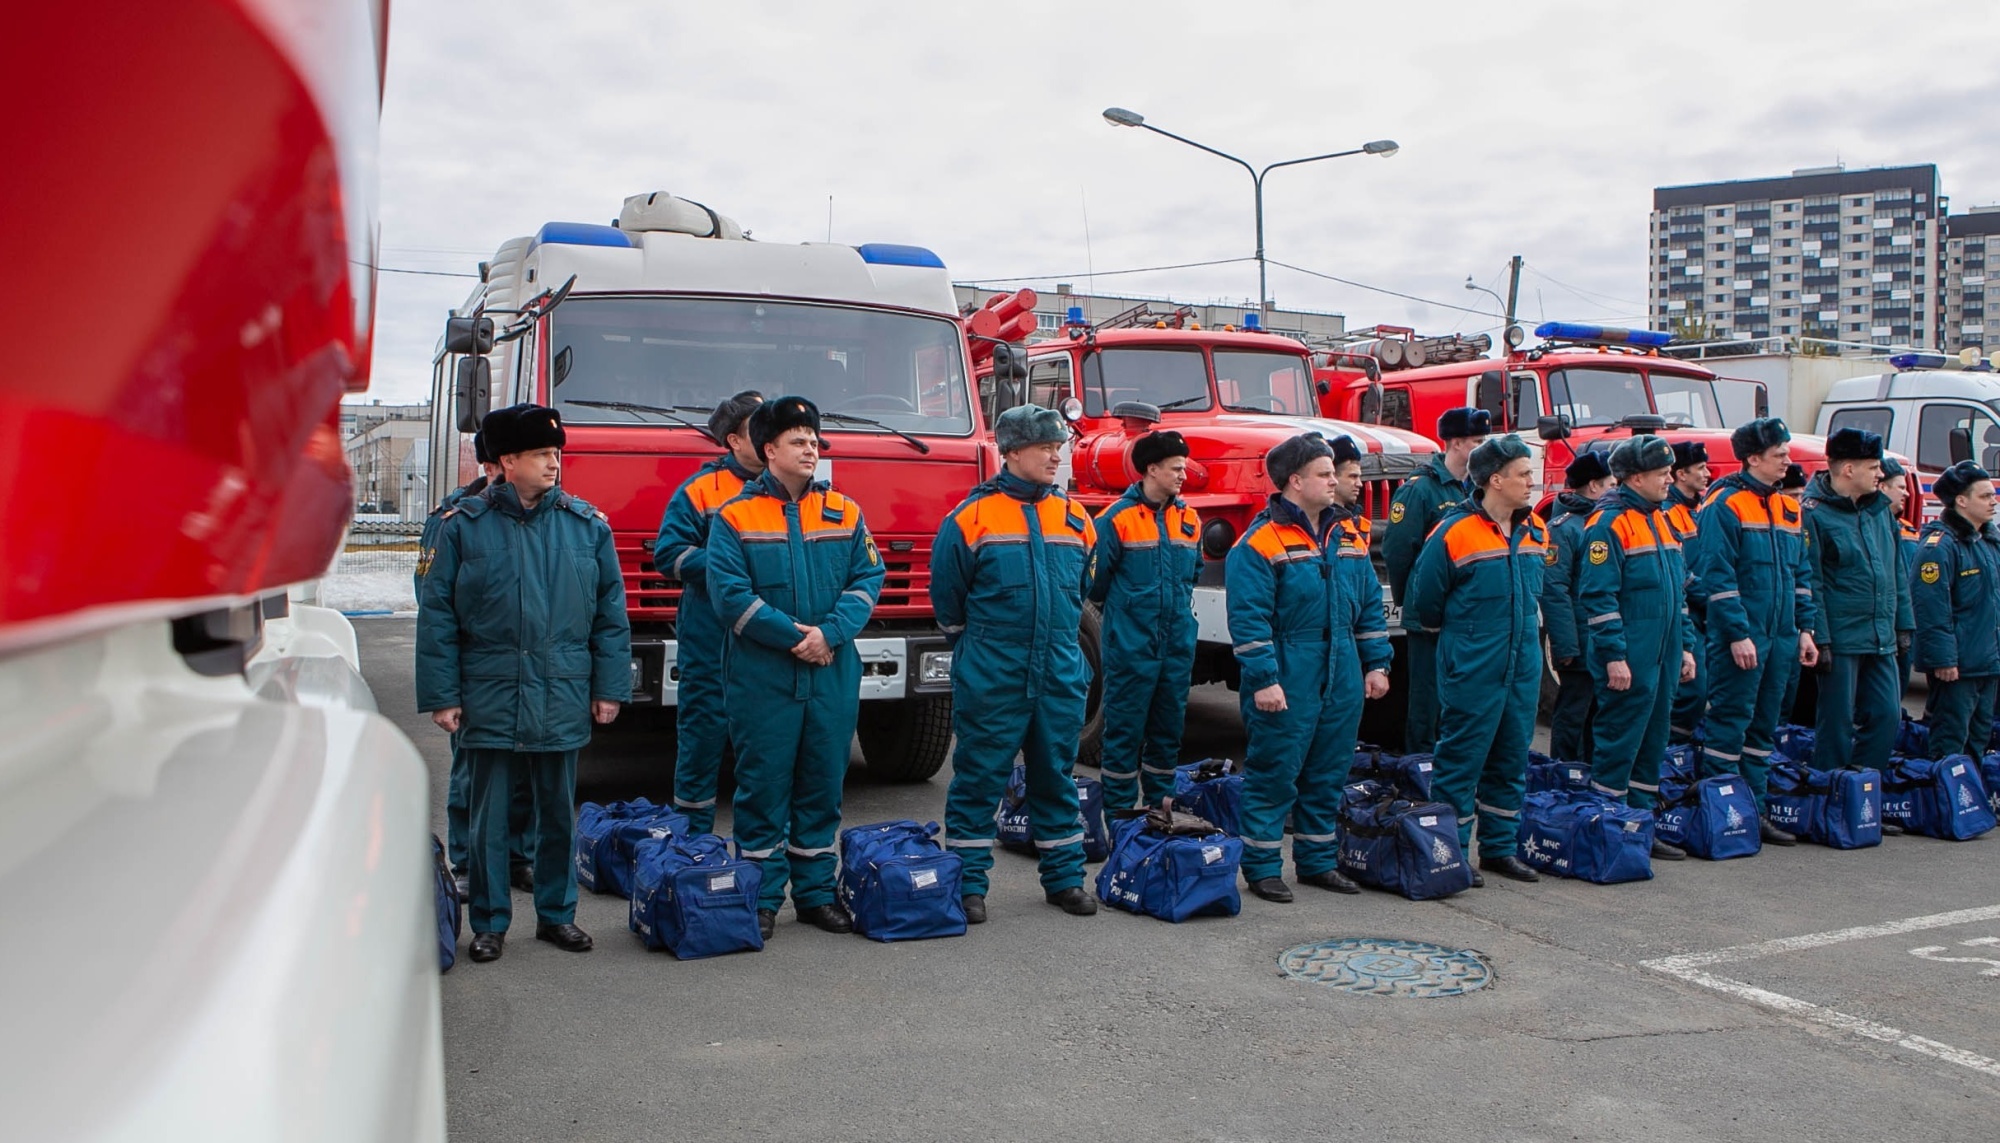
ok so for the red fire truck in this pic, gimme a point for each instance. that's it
(1234, 394)
(1581, 384)
(636, 330)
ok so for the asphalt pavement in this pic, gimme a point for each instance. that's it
(1764, 998)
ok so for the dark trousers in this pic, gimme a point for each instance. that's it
(551, 781)
(1859, 710)
(1962, 715)
(458, 812)
(1575, 709)
(1420, 727)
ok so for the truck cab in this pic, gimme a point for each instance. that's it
(1922, 410)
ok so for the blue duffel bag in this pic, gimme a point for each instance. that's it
(1171, 865)
(1989, 773)
(1943, 798)
(1715, 818)
(1390, 842)
(1913, 737)
(1015, 832)
(1409, 773)
(1795, 742)
(1212, 788)
(1586, 836)
(1681, 763)
(898, 883)
(450, 909)
(605, 835)
(1841, 809)
(694, 898)
(1553, 775)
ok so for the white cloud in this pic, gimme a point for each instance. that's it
(1533, 128)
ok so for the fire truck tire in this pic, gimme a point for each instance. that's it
(907, 740)
(1090, 747)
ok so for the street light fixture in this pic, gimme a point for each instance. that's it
(1382, 148)
(1497, 299)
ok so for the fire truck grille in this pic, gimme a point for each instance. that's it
(653, 598)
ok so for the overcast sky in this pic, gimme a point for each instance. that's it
(1531, 128)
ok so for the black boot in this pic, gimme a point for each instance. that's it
(1772, 835)
(1478, 882)
(487, 946)
(1510, 867)
(1891, 829)
(1073, 901)
(1332, 879)
(522, 877)
(568, 938)
(767, 922)
(1664, 852)
(974, 905)
(1271, 889)
(827, 919)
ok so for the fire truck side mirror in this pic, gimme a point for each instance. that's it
(1371, 404)
(1552, 428)
(472, 392)
(1961, 444)
(1491, 396)
(1010, 363)
(468, 335)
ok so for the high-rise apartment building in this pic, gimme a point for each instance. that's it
(1971, 311)
(1853, 258)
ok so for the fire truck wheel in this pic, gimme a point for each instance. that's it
(1090, 748)
(907, 740)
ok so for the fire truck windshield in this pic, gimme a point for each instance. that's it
(1608, 396)
(904, 370)
(1169, 378)
(1252, 382)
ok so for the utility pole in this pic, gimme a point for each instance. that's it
(1513, 292)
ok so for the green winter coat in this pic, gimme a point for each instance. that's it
(1852, 549)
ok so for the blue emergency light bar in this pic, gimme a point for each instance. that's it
(1074, 316)
(1252, 324)
(1574, 331)
(892, 254)
(1917, 361)
(583, 234)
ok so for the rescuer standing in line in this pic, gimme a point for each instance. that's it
(681, 552)
(1641, 640)
(1478, 583)
(1896, 488)
(1419, 504)
(1751, 565)
(1955, 593)
(794, 575)
(1305, 628)
(522, 643)
(1562, 610)
(1008, 571)
(1142, 572)
(1851, 543)
(1684, 496)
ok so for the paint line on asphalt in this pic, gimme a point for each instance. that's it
(1674, 965)
(1841, 1021)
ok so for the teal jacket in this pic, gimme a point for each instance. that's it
(1298, 611)
(427, 542)
(1562, 608)
(1634, 584)
(1751, 563)
(522, 622)
(1852, 549)
(1955, 593)
(1482, 592)
(1143, 572)
(1419, 504)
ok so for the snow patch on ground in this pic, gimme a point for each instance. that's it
(370, 581)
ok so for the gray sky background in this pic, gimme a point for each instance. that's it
(1537, 128)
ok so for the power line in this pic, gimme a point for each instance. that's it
(1383, 290)
(425, 273)
(1586, 295)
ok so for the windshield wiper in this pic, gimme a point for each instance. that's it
(1183, 401)
(635, 409)
(851, 419)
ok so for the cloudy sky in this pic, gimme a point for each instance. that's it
(1536, 128)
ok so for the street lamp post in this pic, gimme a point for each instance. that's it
(1120, 117)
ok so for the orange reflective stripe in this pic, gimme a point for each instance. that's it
(1749, 509)
(1064, 522)
(711, 491)
(1635, 535)
(828, 516)
(1474, 538)
(757, 517)
(1183, 526)
(992, 519)
(1282, 543)
(1135, 527)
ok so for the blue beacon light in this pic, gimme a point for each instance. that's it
(1575, 331)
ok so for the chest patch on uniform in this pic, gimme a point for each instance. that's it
(1928, 572)
(1187, 526)
(1396, 513)
(1549, 557)
(424, 562)
(874, 556)
(1599, 551)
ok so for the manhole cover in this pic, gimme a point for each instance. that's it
(1378, 966)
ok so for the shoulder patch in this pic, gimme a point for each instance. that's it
(1599, 551)
(1934, 538)
(1928, 571)
(1396, 512)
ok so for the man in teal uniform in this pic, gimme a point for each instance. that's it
(523, 643)
(1641, 640)
(701, 730)
(1305, 615)
(1896, 489)
(1955, 592)
(1478, 583)
(1851, 544)
(794, 576)
(1142, 573)
(1008, 570)
(1684, 497)
(1419, 504)
(1588, 478)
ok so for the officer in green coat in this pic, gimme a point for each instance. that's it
(1588, 478)
(1851, 545)
(1419, 504)
(1955, 591)
(523, 642)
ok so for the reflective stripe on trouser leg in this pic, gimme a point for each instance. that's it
(1743, 712)
(766, 766)
(1503, 779)
(1166, 719)
(1048, 760)
(701, 723)
(1421, 725)
(552, 778)
(1691, 697)
(989, 728)
(819, 776)
(1128, 688)
(1276, 751)
(1631, 728)
(1323, 773)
